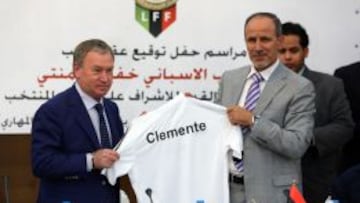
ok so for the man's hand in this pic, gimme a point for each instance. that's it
(104, 158)
(239, 116)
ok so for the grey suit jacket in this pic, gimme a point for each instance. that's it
(333, 128)
(281, 134)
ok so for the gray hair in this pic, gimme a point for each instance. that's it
(269, 15)
(86, 46)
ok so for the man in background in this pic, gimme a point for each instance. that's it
(274, 107)
(350, 75)
(74, 132)
(333, 123)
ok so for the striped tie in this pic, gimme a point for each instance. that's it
(252, 97)
(104, 134)
(254, 92)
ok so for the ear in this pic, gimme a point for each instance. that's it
(306, 52)
(280, 40)
(76, 69)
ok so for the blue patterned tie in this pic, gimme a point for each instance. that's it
(252, 97)
(254, 92)
(104, 134)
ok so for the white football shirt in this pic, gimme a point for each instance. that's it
(178, 153)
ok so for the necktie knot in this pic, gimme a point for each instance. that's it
(99, 108)
(257, 77)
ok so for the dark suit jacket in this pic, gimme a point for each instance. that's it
(333, 128)
(347, 186)
(351, 77)
(62, 134)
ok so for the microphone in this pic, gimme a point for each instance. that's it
(148, 192)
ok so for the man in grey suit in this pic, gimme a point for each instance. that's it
(277, 132)
(333, 122)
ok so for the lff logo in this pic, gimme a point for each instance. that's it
(155, 15)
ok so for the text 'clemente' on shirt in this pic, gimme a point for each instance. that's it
(156, 136)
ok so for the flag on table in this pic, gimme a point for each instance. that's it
(295, 194)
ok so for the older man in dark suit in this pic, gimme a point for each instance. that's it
(333, 123)
(74, 132)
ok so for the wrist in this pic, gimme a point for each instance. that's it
(89, 162)
(93, 161)
(255, 118)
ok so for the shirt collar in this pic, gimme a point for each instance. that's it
(88, 101)
(301, 71)
(264, 73)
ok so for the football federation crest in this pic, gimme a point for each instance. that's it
(155, 15)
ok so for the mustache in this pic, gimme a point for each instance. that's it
(258, 53)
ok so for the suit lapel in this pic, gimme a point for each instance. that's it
(82, 116)
(238, 84)
(112, 122)
(272, 87)
(310, 75)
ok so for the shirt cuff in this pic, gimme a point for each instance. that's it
(254, 119)
(89, 162)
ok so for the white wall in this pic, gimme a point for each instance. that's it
(35, 33)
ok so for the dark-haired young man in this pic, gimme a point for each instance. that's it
(333, 123)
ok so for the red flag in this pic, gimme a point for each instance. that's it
(295, 194)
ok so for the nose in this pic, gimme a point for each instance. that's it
(258, 45)
(105, 76)
(287, 56)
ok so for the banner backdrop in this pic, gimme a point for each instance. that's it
(181, 46)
